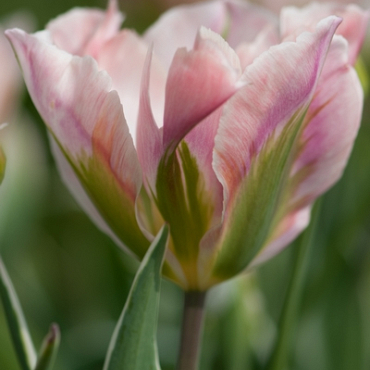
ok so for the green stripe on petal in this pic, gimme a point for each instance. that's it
(113, 203)
(185, 205)
(255, 209)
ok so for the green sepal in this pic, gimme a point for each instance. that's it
(49, 349)
(22, 341)
(259, 203)
(133, 344)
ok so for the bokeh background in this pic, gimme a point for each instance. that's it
(67, 271)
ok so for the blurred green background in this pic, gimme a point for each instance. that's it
(67, 271)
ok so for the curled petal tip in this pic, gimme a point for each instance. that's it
(13, 33)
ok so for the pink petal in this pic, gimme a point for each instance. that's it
(74, 186)
(246, 21)
(83, 31)
(149, 138)
(279, 84)
(201, 141)
(34, 55)
(184, 22)
(248, 52)
(86, 119)
(353, 28)
(123, 57)
(289, 228)
(331, 124)
(72, 31)
(199, 81)
(237, 21)
(107, 29)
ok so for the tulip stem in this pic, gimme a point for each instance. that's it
(192, 328)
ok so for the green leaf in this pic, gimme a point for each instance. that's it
(49, 349)
(16, 322)
(133, 344)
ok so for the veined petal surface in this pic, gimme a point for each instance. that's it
(149, 137)
(329, 130)
(198, 82)
(86, 119)
(353, 28)
(120, 53)
(257, 138)
(74, 185)
(123, 57)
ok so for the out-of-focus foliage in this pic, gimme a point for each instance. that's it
(66, 271)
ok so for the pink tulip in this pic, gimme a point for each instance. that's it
(213, 121)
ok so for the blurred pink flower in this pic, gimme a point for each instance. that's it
(23, 185)
(277, 5)
(10, 79)
(213, 121)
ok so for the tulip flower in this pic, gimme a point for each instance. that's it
(215, 121)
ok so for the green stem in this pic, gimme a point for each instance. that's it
(192, 328)
(281, 354)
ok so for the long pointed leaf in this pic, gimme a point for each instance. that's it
(16, 322)
(49, 349)
(133, 345)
